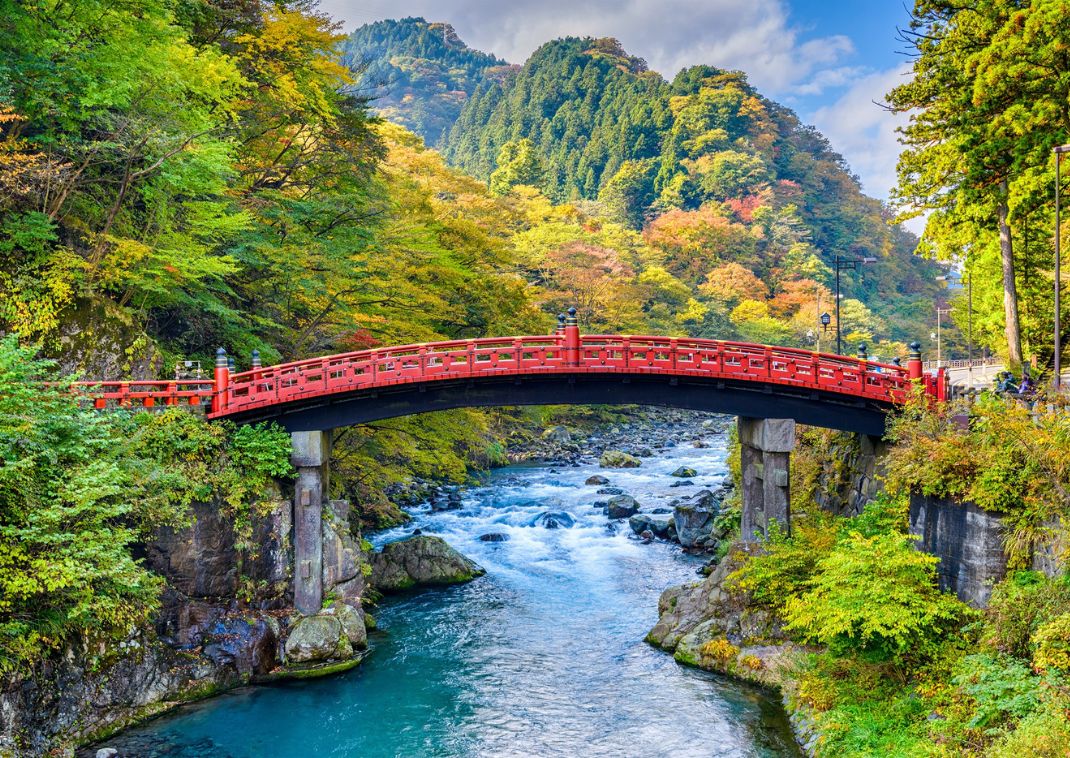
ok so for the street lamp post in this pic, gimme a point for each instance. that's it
(1058, 263)
(842, 264)
(939, 351)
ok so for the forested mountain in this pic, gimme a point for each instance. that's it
(418, 74)
(732, 197)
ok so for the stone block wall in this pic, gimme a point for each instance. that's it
(967, 540)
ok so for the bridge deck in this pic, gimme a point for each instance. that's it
(263, 392)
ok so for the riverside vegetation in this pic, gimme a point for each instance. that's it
(180, 174)
(845, 618)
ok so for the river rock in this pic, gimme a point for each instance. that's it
(642, 452)
(685, 472)
(558, 434)
(494, 537)
(553, 520)
(610, 491)
(352, 621)
(618, 459)
(596, 480)
(316, 638)
(107, 752)
(660, 525)
(683, 483)
(622, 506)
(695, 516)
(420, 561)
(249, 644)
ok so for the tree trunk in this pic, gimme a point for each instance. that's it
(1010, 289)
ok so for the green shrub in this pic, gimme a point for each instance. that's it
(787, 564)
(1018, 607)
(1044, 733)
(874, 595)
(1052, 643)
(1001, 687)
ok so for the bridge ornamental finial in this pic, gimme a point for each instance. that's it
(256, 359)
(230, 363)
(571, 320)
(862, 352)
(897, 361)
(915, 351)
(220, 358)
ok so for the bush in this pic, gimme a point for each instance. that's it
(874, 595)
(1018, 607)
(1042, 734)
(720, 649)
(787, 564)
(1001, 687)
(1052, 643)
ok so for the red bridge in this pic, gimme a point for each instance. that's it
(756, 381)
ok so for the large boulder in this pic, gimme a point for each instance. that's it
(558, 434)
(695, 517)
(420, 561)
(317, 638)
(622, 506)
(618, 459)
(352, 621)
(596, 480)
(685, 472)
(249, 644)
(658, 524)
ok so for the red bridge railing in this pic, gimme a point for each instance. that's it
(565, 352)
(149, 394)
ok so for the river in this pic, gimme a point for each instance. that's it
(544, 656)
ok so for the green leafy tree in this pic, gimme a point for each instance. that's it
(518, 163)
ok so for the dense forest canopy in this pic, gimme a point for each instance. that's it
(419, 74)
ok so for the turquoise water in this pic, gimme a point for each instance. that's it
(544, 656)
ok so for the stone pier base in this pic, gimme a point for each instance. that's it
(765, 458)
(311, 457)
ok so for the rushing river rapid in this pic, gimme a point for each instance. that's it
(543, 656)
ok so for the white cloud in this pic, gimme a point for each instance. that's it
(863, 131)
(755, 36)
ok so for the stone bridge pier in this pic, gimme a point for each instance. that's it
(765, 461)
(311, 456)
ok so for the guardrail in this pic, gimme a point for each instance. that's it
(148, 394)
(605, 354)
(564, 352)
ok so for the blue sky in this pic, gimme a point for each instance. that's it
(828, 60)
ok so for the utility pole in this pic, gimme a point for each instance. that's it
(1058, 274)
(841, 264)
(939, 351)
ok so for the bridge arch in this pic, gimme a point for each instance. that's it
(768, 388)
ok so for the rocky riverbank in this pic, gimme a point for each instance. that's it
(225, 621)
(709, 626)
